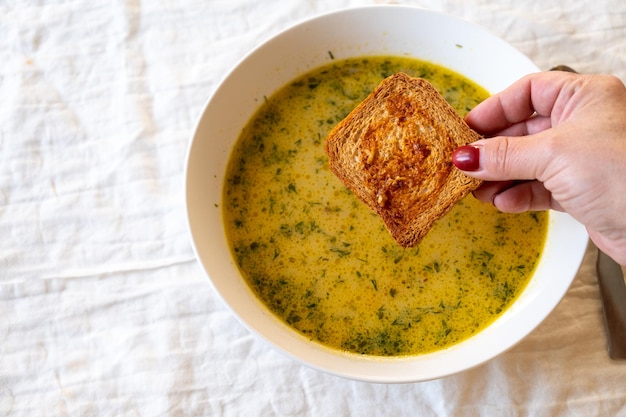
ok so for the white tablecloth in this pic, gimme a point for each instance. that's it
(104, 310)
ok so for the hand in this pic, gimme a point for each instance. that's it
(558, 141)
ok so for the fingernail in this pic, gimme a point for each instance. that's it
(466, 158)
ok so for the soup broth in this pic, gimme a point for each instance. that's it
(325, 264)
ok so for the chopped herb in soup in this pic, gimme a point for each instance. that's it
(325, 264)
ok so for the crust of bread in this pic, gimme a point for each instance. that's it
(394, 152)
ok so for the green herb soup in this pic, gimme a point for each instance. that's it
(325, 264)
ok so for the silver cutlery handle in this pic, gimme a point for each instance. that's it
(613, 293)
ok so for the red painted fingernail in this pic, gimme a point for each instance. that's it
(466, 158)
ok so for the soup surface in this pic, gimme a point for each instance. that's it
(326, 265)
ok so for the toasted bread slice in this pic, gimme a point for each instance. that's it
(394, 151)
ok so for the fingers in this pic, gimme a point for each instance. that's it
(514, 170)
(527, 150)
(615, 248)
(531, 126)
(516, 197)
(496, 113)
(488, 190)
(506, 158)
(543, 94)
(526, 110)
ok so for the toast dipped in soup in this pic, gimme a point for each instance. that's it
(394, 152)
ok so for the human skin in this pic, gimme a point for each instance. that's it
(556, 140)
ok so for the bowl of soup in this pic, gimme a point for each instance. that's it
(306, 266)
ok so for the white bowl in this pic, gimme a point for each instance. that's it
(375, 30)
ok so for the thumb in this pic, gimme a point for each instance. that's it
(503, 158)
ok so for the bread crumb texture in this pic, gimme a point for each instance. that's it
(394, 152)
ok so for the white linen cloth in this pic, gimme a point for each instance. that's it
(103, 308)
